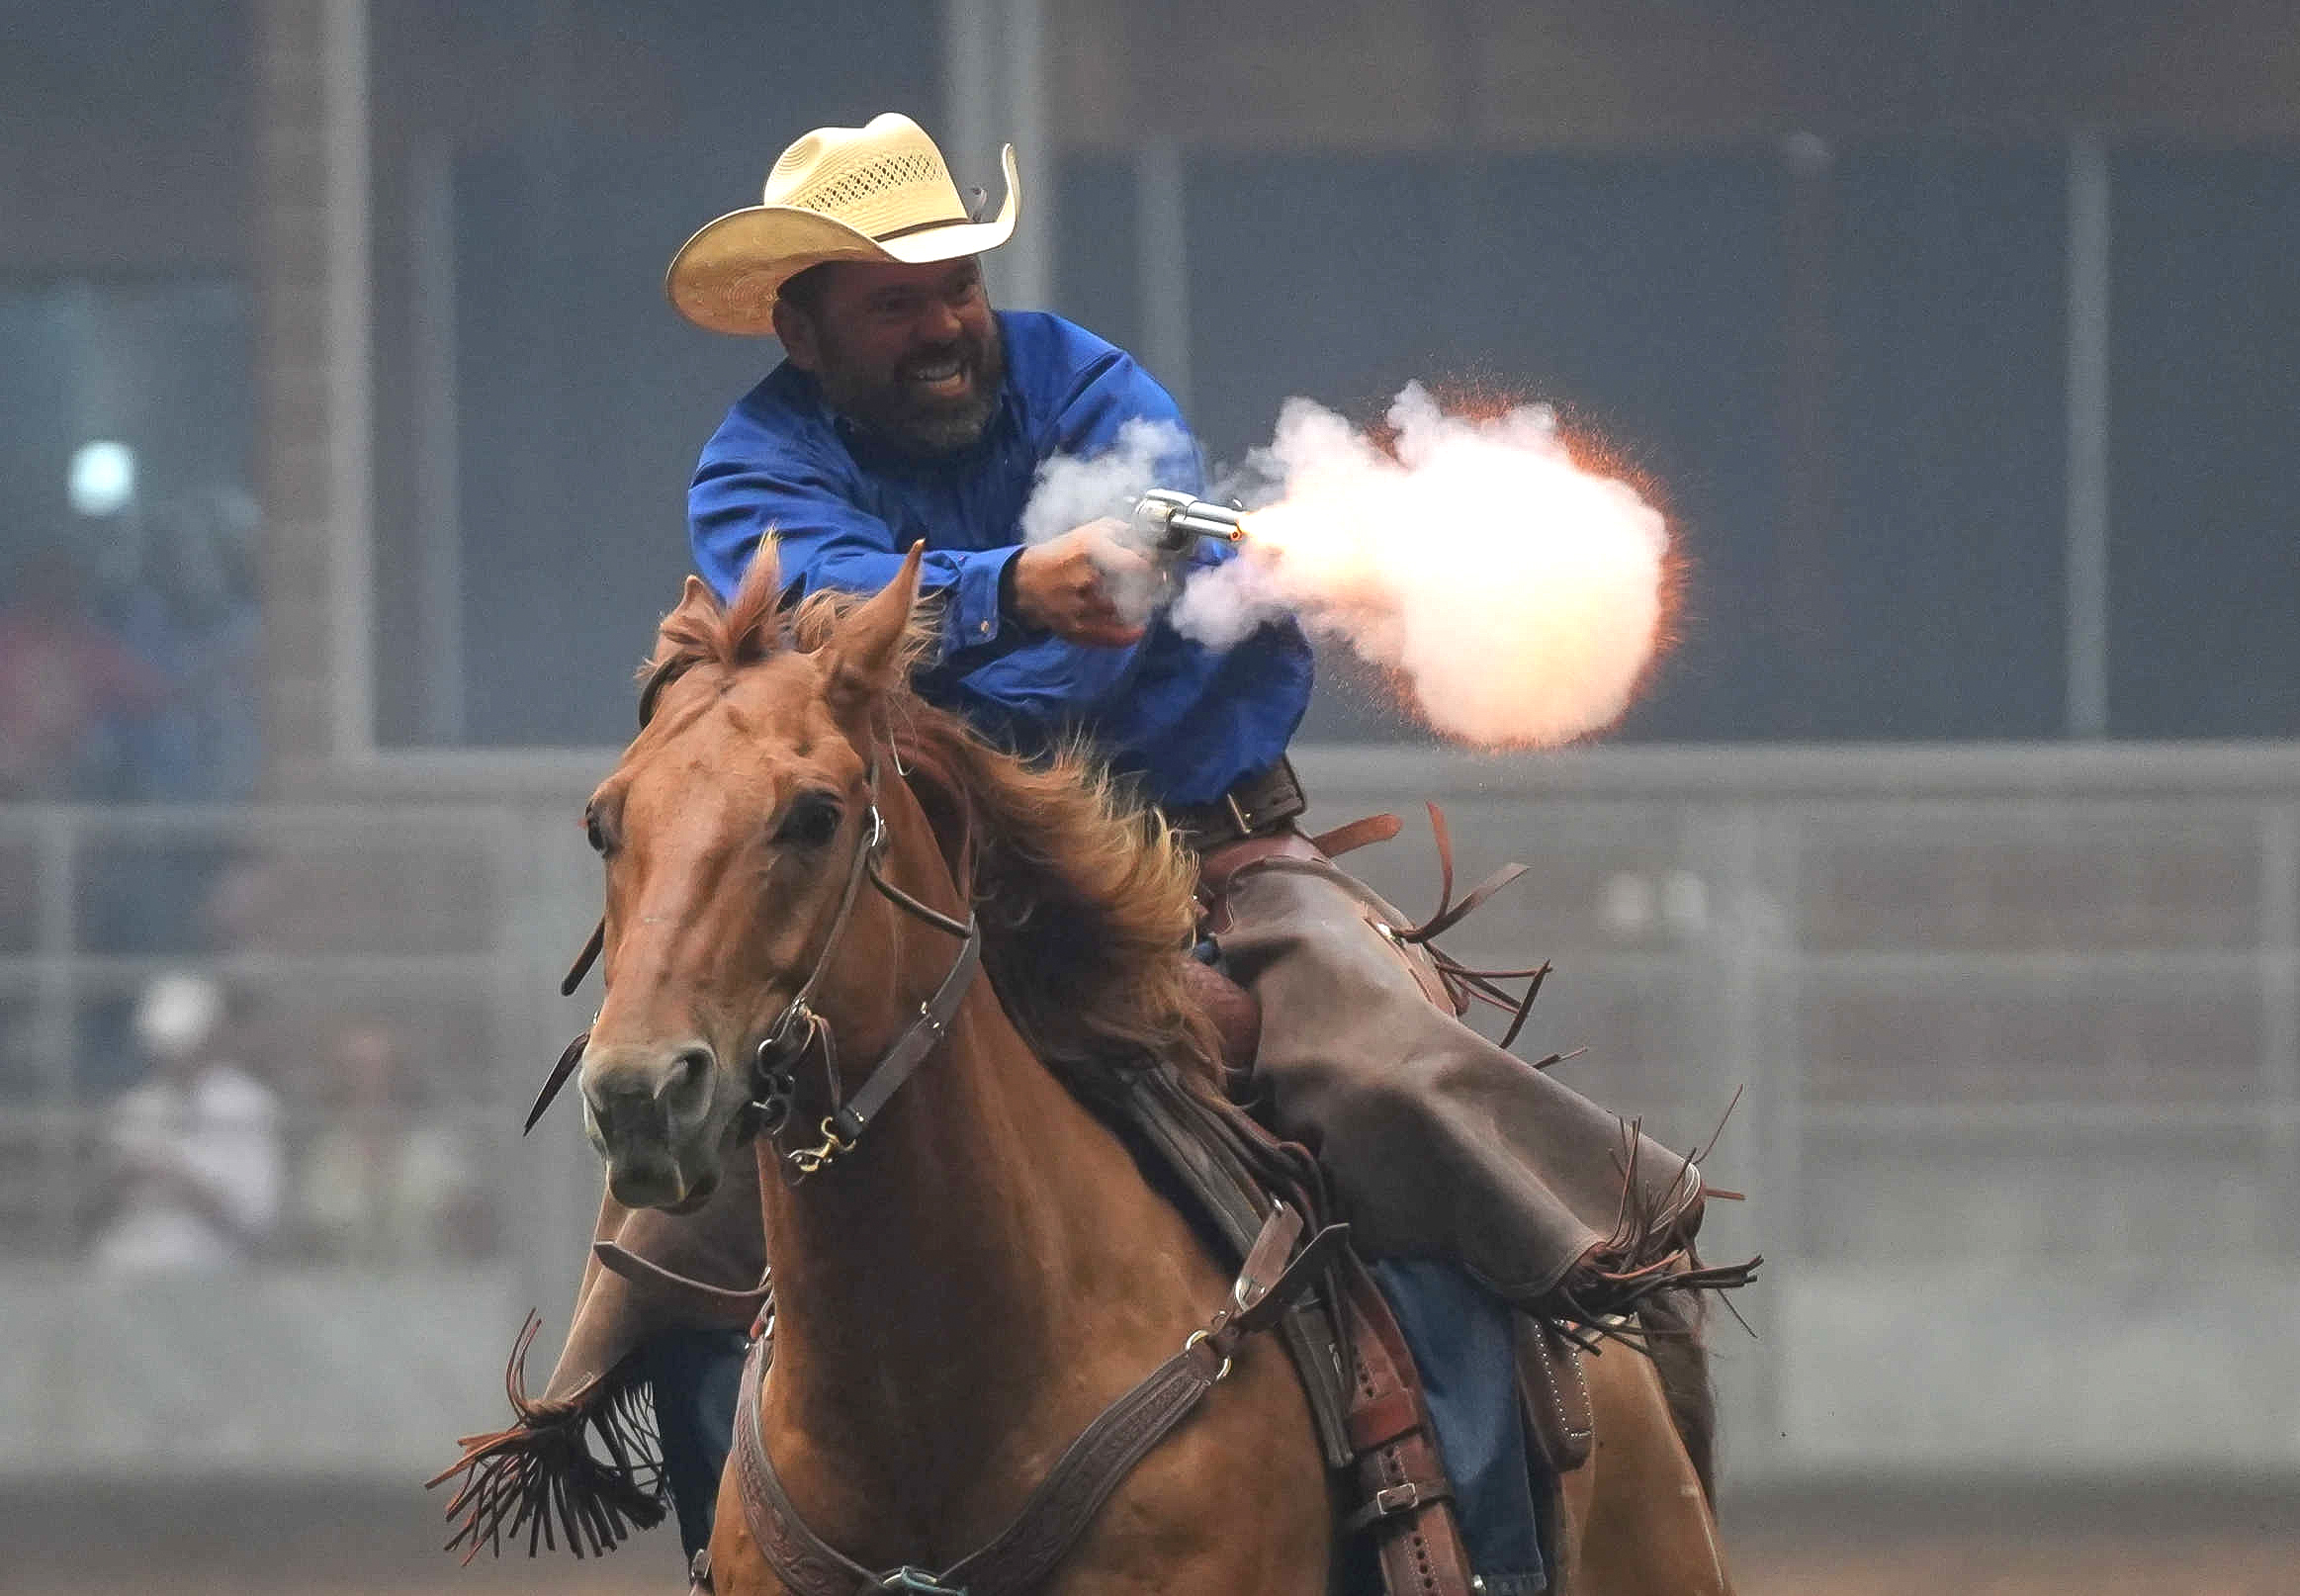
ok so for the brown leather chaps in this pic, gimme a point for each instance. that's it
(1436, 1142)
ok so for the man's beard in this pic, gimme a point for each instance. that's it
(914, 422)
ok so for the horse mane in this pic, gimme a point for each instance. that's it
(1087, 899)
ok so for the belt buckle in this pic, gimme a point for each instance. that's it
(1238, 815)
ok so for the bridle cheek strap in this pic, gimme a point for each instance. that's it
(798, 1027)
(843, 1127)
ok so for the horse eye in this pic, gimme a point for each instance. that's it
(811, 822)
(595, 832)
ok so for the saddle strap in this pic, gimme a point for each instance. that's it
(1059, 1509)
(1230, 1166)
(1406, 1497)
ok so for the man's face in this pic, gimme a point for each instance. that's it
(911, 352)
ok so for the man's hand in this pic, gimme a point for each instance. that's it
(1071, 585)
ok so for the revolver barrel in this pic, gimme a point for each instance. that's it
(1175, 520)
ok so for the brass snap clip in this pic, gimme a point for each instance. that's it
(814, 1160)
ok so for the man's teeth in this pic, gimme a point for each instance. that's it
(940, 372)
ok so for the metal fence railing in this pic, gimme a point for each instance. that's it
(2015, 1034)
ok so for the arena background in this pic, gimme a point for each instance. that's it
(1961, 834)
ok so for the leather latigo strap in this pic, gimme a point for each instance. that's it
(1405, 1495)
(1080, 1480)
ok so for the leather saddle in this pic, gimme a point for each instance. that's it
(1376, 1428)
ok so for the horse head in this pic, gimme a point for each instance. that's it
(731, 830)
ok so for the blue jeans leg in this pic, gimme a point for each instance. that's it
(1461, 1338)
(696, 1375)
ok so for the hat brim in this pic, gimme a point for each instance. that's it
(728, 275)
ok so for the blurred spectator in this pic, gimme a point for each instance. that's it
(189, 611)
(63, 680)
(196, 1148)
(384, 1184)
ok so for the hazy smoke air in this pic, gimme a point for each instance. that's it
(1519, 596)
(1070, 492)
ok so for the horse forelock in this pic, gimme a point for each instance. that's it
(706, 630)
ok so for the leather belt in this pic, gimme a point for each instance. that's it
(1253, 805)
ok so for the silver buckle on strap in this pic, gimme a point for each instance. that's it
(1393, 1500)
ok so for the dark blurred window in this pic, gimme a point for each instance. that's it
(1641, 294)
(2204, 565)
(128, 643)
(539, 407)
(1842, 372)
(1847, 383)
(1948, 430)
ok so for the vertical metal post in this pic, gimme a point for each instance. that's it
(995, 92)
(1162, 270)
(1811, 602)
(350, 376)
(1029, 262)
(970, 44)
(2088, 454)
(438, 473)
(1758, 982)
(55, 1030)
(2279, 970)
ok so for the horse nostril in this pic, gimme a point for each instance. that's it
(688, 1069)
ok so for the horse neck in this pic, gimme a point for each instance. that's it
(962, 1238)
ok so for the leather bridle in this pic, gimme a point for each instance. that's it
(798, 1030)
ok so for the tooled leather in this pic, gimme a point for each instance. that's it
(799, 1558)
(1557, 1394)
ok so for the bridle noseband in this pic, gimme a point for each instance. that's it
(798, 1030)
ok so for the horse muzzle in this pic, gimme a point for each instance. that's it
(647, 1110)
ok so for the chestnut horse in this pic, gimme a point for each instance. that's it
(960, 1293)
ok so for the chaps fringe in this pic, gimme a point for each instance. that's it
(543, 1475)
(1646, 1261)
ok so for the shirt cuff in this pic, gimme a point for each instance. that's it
(975, 614)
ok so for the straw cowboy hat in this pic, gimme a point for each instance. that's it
(880, 192)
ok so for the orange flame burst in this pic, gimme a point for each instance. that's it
(1516, 592)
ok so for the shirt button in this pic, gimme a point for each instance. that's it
(984, 629)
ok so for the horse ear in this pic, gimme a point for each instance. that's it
(863, 658)
(690, 618)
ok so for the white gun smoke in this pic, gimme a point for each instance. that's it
(1516, 597)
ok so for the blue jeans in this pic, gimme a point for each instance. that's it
(1460, 1336)
(696, 1375)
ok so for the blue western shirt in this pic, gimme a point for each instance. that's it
(1186, 720)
